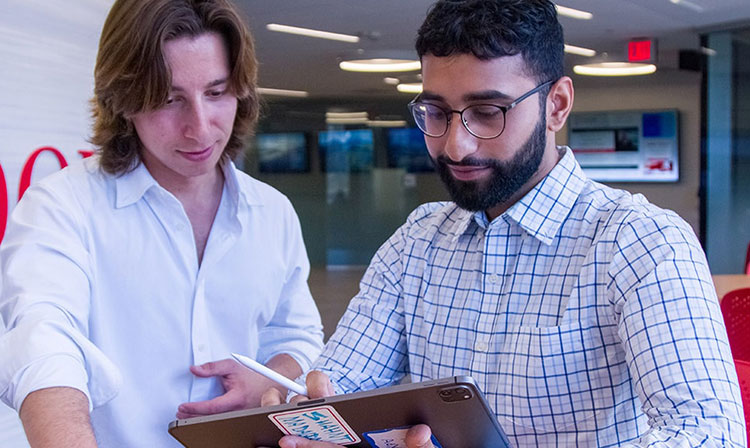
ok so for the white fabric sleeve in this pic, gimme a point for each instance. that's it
(295, 328)
(44, 302)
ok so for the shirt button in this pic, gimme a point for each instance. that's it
(481, 346)
(201, 348)
(493, 279)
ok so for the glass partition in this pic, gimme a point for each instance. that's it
(351, 185)
(727, 150)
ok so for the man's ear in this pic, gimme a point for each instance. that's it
(559, 103)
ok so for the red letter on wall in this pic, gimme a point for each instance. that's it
(29, 166)
(3, 204)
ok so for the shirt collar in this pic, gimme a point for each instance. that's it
(131, 186)
(542, 210)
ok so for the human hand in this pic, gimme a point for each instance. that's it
(242, 389)
(319, 386)
(419, 436)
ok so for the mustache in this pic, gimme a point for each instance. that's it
(467, 161)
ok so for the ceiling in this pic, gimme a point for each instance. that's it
(302, 63)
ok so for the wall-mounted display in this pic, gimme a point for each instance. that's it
(282, 152)
(346, 150)
(626, 146)
(407, 150)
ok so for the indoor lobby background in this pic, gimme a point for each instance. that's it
(354, 180)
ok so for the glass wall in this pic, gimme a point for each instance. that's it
(352, 185)
(727, 150)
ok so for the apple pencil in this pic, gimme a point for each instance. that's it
(270, 374)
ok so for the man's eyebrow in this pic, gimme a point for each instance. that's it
(214, 83)
(430, 96)
(487, 95)
(483, 95)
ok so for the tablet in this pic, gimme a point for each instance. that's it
(453, 407)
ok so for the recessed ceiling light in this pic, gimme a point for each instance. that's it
(410, 87)
(614, 69)
(347, 115)
(688, 4)
(282, 92)
(580, 51)
(312, 33)
(380, 65)
(386, 123)
(391, 81)
(573, 13)
(347, 120)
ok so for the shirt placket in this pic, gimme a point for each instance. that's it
(219, 242)
(494, 259)
(199, 336)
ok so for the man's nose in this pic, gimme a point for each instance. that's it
(459, 142)
(197, 121)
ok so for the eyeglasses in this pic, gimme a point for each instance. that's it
(483, 121)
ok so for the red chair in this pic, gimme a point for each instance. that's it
(735, 306)
(743, 373)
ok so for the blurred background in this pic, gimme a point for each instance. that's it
(340, 143)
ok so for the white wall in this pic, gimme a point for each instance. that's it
(47, 49)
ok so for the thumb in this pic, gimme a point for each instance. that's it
(419, 436)
(271, 397)
(214, 368)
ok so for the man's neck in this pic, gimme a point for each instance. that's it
(204, 188)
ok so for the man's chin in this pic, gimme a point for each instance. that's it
(468, 197)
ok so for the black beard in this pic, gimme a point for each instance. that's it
(506, 177)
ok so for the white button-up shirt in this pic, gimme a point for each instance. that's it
(102, 291)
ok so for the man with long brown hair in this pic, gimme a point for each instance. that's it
(156, 254)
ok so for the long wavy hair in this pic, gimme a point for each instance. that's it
(132, 75)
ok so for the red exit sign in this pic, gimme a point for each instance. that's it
(642, 50)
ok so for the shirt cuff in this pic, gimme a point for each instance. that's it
(301, 350)
(51, 371)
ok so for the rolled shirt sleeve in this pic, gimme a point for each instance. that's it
(46, 339)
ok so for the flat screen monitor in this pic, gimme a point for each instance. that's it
(346, 150)
(626, 146)
(282, 152)
(407, 150)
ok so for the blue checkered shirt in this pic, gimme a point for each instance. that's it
(586, 315)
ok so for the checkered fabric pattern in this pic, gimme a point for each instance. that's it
(587, 316)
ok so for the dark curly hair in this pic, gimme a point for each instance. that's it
(489, 29)
(132, 75)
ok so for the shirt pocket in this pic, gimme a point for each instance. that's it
(553, 378)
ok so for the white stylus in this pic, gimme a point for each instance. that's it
(270, 374)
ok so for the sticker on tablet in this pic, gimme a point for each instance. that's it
(391, 438)
(320, 423)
